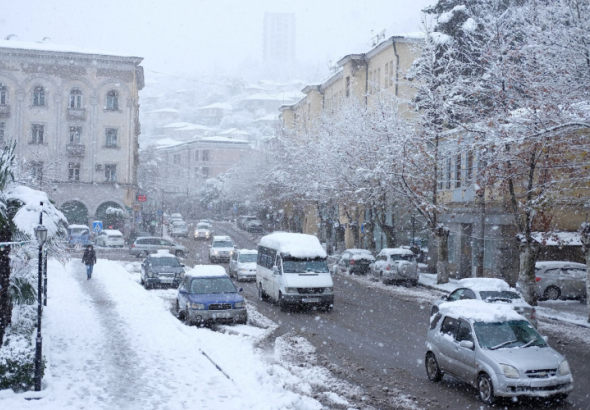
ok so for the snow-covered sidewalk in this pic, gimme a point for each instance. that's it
(112, 345)
(570, 311)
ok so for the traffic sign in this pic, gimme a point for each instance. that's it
(97, 226)
(159, 212)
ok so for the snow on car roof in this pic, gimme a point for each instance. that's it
(298, 245)
(248, 251)
(485, 284)
(396, 251)
(75, 226)
(206, 271)
(161, 253)
(479, 311)
(221, 238)
(112, 232)
(358, 251)
(559, 264)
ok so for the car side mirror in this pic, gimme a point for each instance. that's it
(240, 289)
(546, 339)
(467, 344)
(182, 265)
(444, 297)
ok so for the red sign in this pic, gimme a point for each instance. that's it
(141, 198)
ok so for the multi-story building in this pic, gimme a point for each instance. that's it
(74, 115)
(279, 37)
(363, 77)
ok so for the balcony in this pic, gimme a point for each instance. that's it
(4, 110)
(75, 150)
(76, 114)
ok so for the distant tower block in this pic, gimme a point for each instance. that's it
(279, 37)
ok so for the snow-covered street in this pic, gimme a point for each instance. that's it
(112, 345)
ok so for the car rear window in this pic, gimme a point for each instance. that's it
(115, 236)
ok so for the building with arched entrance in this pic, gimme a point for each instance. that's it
(75, 116)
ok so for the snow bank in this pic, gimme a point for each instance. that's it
(479, 311)
(297, 245)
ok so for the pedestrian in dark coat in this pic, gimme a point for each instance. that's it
(89, 259)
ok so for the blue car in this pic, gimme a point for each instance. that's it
(207, 295)
(78, 235)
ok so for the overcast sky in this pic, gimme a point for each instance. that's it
(176, 35)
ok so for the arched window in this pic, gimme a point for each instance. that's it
(112, 100)
(3, 94)
(76, 98)
(39, 96)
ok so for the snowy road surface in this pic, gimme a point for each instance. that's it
(115, 346)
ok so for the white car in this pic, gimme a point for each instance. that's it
(110, 238)
(243, 264)
(178, 228)
(396, 265)
(221, 249)
(203, 231)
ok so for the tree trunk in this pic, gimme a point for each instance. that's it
(5, 299)
(585, 232)
(442, 266)
(370, 232)
(480, 235)
(526, 273)
(388, 230)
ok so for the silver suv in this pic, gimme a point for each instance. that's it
(496, 350)
(145, 245)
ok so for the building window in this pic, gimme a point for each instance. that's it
(112, 100)
(75, 99)
(378, 82)
(74, 171)
(448, 173)
(386, 79)
(37, 134)
(176, 159)
(111, 134)
(39, 96)
(348, 86)
(3, 94)
(2, 126)
(197, 172)
(196, 155)
(205, 155)
(75, 133)
(205, 172)
(469, 168)
(37, 171)
(458, 171)
(110, 173)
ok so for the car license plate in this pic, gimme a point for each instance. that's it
(222, 315)
(310, 300)
(166, 280)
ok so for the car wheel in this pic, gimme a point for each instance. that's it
(552, 293)
(486, 389)
(145, 254)
(328, 308)
(434, 310)
(415, 282)
(282, 304)
(561, 397)
(180, 314)
(432, 370)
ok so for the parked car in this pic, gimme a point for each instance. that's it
(557, 279)
(110, 238)
(174, 217)
(146, 245)
(207, 295)
(135, 234)
(354, 261)
(496, 350)
(178, 228)
(161, 269)
(253, 226)
(78, 235)
(203, 231)
(242, 264)
(293, 271)
(396, 265)
(241, 221)
(220, 249)
(489, 290)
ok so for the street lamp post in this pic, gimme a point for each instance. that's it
(41, 235)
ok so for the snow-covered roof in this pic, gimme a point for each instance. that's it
(233, 131)
(222, 106)
(268, 117)
(266, 97)
(194, 127)
(26, 45)
(298, 245)
(206, 271)
(111, 232)
(218, 138)
(164, 110)
(396, 251)
(485, 284)
(558, 238)
(76, 226)
(479, 311)
(176, 124)
(167, 142)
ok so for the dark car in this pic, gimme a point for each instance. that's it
(254, 226)
(354, 261)
(161, 269)
(207, 295)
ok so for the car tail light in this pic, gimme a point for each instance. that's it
(388, 267)
(352, 262)
(133, 246)
(538, 279)
(533, 314)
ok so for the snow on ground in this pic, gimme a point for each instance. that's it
(112, 345)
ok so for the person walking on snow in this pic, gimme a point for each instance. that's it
(89, 259)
